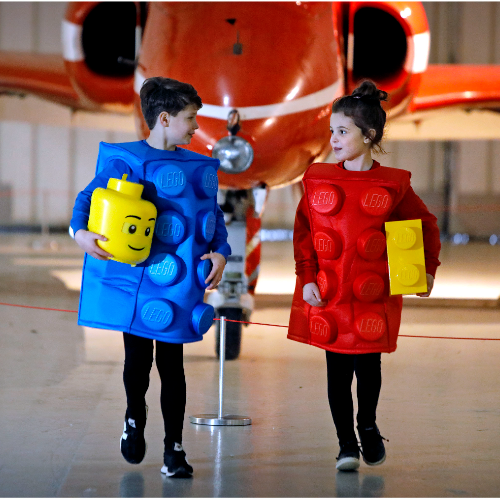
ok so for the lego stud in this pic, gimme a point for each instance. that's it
(406, 258)
(327, 284)
(408, 274)
(164, 269)
(170, 228)
(202, 318)
(202, 271)
(157, 314)
(370, 326)
(171, 180)
(404, 238)
(323, 328)
(371, 244)
(205, 226)
(326, 199)
(125, 187)
(368, 287)
(208, 182)
(375, 201)
(328, 244)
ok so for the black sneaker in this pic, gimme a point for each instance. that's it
(373, 448)
(175, 463)
(132, 443)
(348, 458)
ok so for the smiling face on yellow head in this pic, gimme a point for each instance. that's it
(137, 233)
(125, 219)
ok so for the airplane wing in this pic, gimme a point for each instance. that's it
(453, 102)
(48, 96)
(466, 86)
(43, 75)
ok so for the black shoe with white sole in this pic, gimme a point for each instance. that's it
(175, 463)
(348, 458)
(132, 443)
(373, 448)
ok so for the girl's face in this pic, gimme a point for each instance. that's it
(347, 140)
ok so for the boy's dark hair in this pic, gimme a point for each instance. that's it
(165, 94)
(364, 107)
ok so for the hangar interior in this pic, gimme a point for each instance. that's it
(39, 183)
(61, 393)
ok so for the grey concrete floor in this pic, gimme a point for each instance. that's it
(62, 401)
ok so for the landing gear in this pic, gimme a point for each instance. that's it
(233, 332)
(234, 295)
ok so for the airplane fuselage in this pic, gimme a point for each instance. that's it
(278, 64)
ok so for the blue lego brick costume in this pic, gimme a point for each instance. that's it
(161, 298)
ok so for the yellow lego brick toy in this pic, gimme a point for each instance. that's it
(405, 253)
(119, 213)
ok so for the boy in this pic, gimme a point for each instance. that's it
(142, 302)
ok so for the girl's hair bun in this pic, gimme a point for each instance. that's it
(369, 91)
(364, 107)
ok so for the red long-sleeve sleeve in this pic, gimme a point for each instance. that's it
(412, 207)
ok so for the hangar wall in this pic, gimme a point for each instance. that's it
(43, 167)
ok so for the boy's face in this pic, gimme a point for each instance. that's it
(181, 127)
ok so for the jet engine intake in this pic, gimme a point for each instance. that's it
(388, 43)
(101, 42)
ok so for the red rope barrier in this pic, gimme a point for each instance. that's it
(41, 308)
(452, 338)
(250, 323)
(413, 336)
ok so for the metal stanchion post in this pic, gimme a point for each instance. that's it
(222, 359)
(220, 418)
(45, 214)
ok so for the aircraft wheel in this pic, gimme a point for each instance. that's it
(233, 332)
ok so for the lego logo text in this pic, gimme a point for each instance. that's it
(172, 179)
(323, 198)
(163, 269)
(156, 315)
(371, 325)
(373, 200)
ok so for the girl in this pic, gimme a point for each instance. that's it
(341, 302)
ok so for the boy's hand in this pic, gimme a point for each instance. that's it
(86, 240)
(430, 284)
(312, 295)
(218, 265)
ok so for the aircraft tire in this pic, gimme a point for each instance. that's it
(233, 332)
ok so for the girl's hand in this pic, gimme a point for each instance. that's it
(218, 265)
(430, 284)
(312, 295)
(86, 240)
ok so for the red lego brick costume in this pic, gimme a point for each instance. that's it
(339, 243)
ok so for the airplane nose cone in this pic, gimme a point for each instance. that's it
(286, 123)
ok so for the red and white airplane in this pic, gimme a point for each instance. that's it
(267, 74)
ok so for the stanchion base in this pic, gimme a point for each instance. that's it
(213, 419)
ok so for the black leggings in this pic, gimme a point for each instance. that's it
(169, 361)
(340, 370)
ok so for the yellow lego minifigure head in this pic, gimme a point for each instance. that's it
(119, 213)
